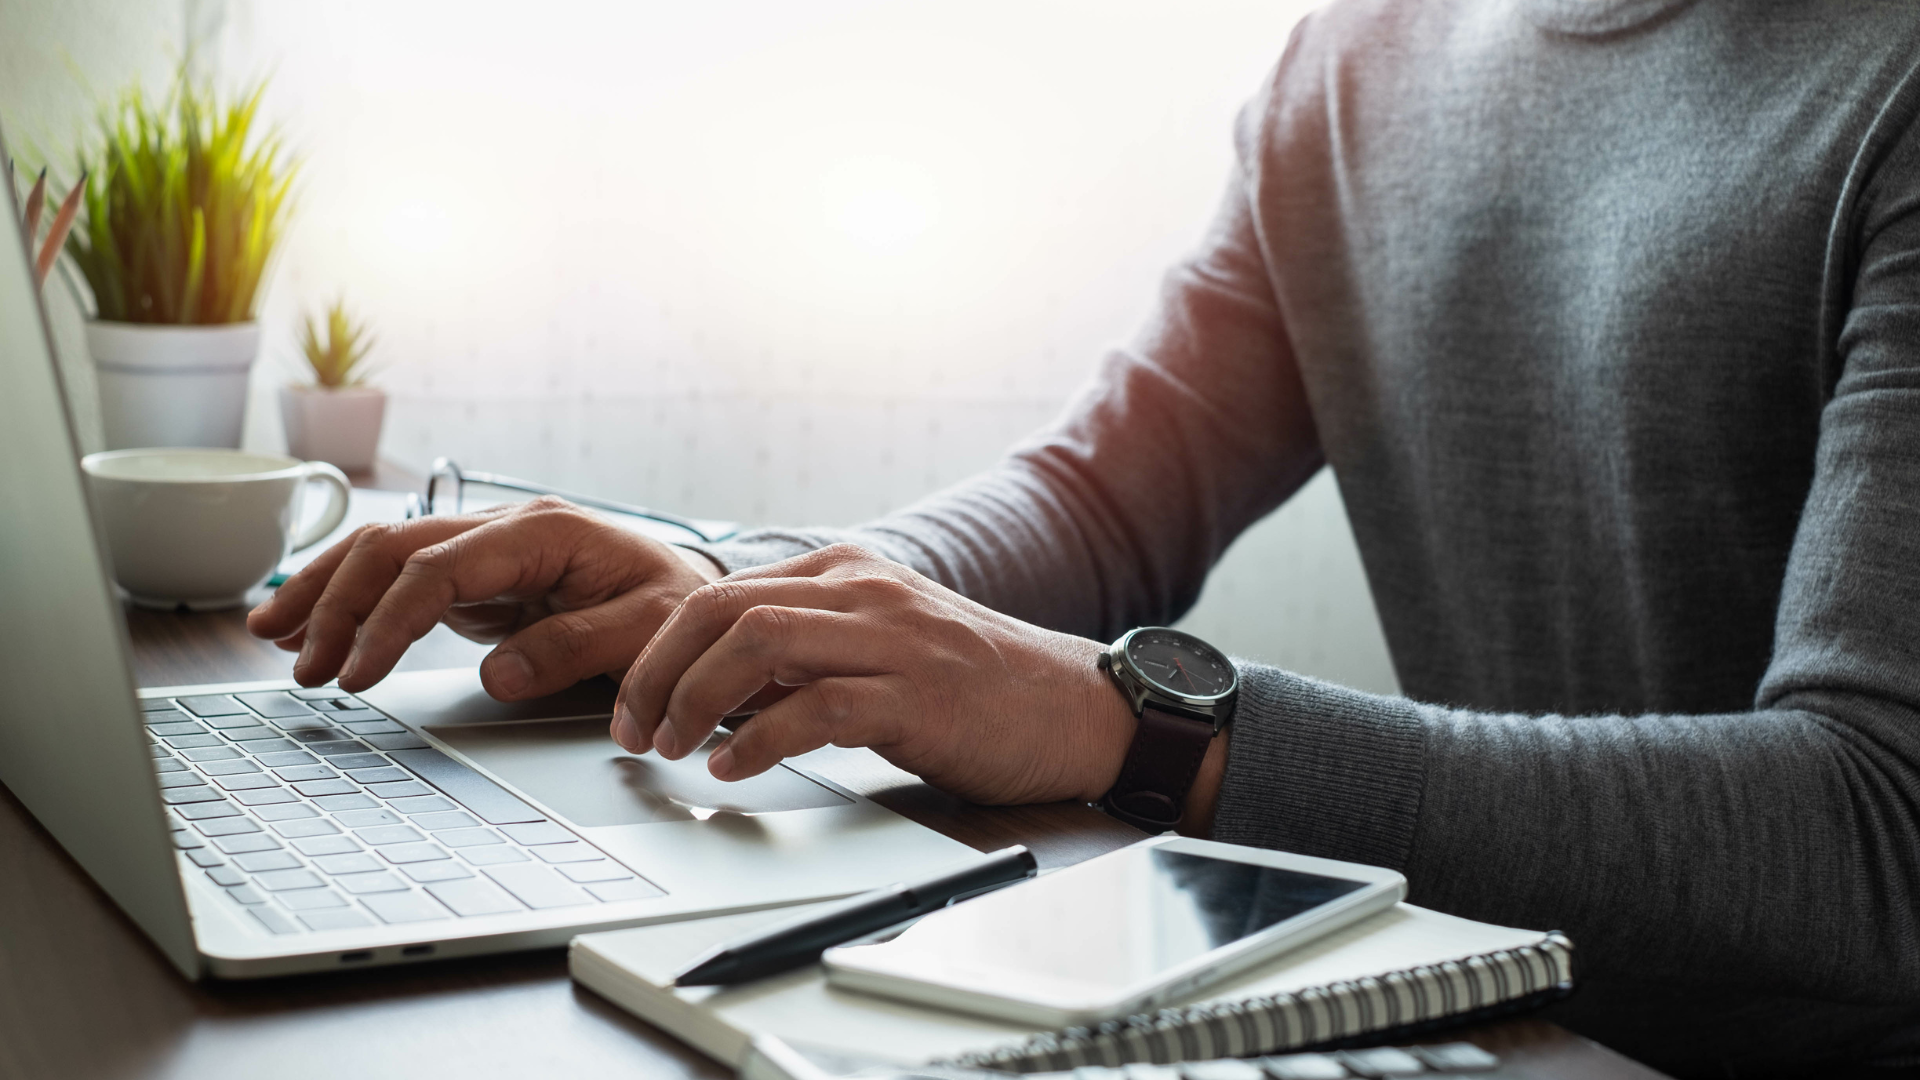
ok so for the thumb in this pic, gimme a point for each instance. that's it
(560, 650)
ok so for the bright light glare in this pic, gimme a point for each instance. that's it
(883, 204)
(419, 227)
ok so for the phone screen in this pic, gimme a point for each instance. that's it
(1112, 923)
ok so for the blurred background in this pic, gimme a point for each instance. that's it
(761, 260)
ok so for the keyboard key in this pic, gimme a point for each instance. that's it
(468, 837)
(380, 775)
(343, 716)
(282, 758)
(202, 811)
(424, 804)
(436, 822)
(156, 704)
(1220, 1069)
(565, 853)
(235, 845)
(412, 853)
(246, 894)
(293, 830)
(488, 800)
(472, 896)
(260, 748)
(540, 832)
(322, 733)
(424, 872)
(368, 884)
(157, 750)
(204, 857)
(211, 753)
(310, 899)
(604, 870)
(179, 779)
(370, 727)
(334, 919)
(404, 907)
(404, 741)
(226, 875)
(288, 880)
(632, 889)
(317, 693)
(493, 856)
(336, 786)
(193, 742)
(1382, 1061)
(355, 801)
(259, 862)
(306, 721)
(212, 705)
(332, 749)
(177, 727)
(264, 796)
(273, 703)
(285, 812)
(176, 796)
(325, 845)
(388, 834)
(223, 723)
(360, 819)
(295, 773)
(272, 919)
(184, 840)
(358, 862)
(401, 790)
(537, 886)
(251, 734)
(247, 781)
(357, 761)
(233, 767)
(1456, 1057)
(226, 826)
(169, 764)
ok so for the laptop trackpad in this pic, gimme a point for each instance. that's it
(579, 773)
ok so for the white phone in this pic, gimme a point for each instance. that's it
(1115, 935)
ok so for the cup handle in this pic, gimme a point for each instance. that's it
(336, 512)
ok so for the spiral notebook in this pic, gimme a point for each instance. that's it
(1386, 978)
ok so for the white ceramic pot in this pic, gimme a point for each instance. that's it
(340, 427)
(172, 385)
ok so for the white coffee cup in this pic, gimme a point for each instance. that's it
(201, 527)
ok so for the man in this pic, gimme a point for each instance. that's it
(1607, 315)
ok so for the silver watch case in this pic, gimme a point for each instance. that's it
(1141, 692)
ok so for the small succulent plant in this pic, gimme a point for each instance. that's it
(338, 358)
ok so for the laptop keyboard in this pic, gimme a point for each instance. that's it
(314, 812)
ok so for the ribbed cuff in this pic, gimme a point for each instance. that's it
(1321, 770)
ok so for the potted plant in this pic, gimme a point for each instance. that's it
(337, 419)
(184, 206)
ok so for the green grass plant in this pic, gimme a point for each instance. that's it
(339, 360)
(185, 203)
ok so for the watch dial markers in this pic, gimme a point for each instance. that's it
(1180, 664)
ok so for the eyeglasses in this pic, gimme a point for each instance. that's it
(447, 493)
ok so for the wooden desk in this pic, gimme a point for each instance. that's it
(83, 994)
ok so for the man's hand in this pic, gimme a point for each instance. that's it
(975, 702)
(568, 594)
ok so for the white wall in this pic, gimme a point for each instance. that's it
(769, 260)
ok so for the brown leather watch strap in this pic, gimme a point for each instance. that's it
(1161, 764)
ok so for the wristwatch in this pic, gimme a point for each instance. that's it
(1183, 691)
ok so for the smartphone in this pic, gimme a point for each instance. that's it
(1128, 931)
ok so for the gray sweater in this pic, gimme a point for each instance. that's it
(1606, 314)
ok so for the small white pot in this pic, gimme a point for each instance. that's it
(340, 427)
(172, 385)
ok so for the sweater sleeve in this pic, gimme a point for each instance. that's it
(1767, 854)
(1111, 517)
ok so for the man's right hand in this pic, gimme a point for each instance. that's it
(566, 593)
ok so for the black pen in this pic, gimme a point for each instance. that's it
(793, 944)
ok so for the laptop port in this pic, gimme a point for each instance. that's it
(417, 950)
(356, 957)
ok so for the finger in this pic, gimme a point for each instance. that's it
(767, 644)
(842, 711)
(560, 650)
(520, 554)
(286, 611)
(706, 614)
(355, 589)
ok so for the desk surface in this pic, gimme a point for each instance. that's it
(82, 993)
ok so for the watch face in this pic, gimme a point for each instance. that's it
(1180, 664)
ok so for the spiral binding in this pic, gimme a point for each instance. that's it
(1277, 1023)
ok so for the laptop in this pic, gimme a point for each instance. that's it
(264, 829)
